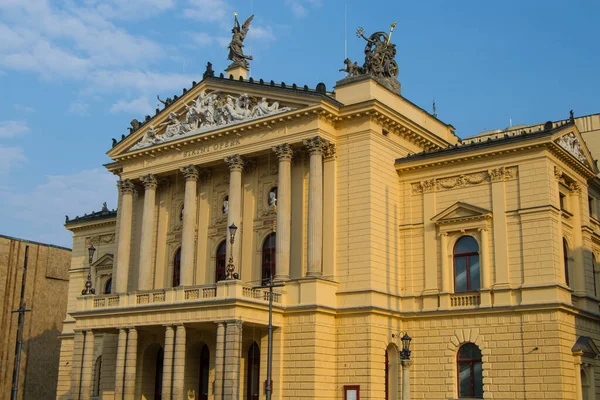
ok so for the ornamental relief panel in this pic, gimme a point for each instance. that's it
(99, 240)
(465, 180)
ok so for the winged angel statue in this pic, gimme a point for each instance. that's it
(236, 54)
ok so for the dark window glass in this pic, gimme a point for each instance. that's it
(221, 264)
(561, 198)
(108, 286)
(470, 371)
(177, 268)
(594, 276)
(204, 371)
(158, 375)
(268, 259)
(467, 276)
(253, 373)
(566, 260)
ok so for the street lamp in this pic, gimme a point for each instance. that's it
(406, 363)
(230, 266)
(88, 283)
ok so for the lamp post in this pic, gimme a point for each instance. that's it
(270, 286)
(406, 363)
(88, 283)
(230, 265)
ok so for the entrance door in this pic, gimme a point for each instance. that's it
(253, 373)
(203, 378)
(159, 374)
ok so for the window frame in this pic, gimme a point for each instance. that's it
(471, 362)
(266, 266)
(221, 258)
(467, 264)
(565, 246)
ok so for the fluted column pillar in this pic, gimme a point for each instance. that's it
(145, 276)
(131, 364)
(126, 189)
(234, 214)
(220, 361)
(168, 363)
(315, 147)
(87, 366)
(120, 364)
(190, 173)
(284, 211)
(179, 362)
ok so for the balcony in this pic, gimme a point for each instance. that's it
(222, 291)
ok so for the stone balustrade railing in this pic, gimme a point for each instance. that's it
(200, 293)
(465, 300)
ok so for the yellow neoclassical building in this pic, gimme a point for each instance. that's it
(378, 221)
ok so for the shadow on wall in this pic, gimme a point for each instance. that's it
(42, 353)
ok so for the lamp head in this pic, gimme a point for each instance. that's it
(232, 231)
(91, 251)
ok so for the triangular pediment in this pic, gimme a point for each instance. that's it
(460, 211)
(104, 262)
(587, 346)
(571, 141)
(215, 105)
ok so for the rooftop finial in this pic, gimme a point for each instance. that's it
(434, 108)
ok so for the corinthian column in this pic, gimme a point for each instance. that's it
(284, 211)
(234, 214)
(315, 146)
(145, 281)
(124, 245)
(189, 223)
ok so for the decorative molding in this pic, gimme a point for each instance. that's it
(465, 180)
(315, 145)
(559, 175)
(284, 152)
(235, 162)
(575, 188)
(125, 186)
(149, 181)
(99, 239)
(190, 172)
(572, 145)
(209, 112)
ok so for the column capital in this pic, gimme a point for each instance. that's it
(125, 186)
(575, 188)
(149, 181)
(235, 162)
(204, 174)
(559, 175)
(329, 153)
(190, 172)
(315, 145)
(499, 174)
(284, 152)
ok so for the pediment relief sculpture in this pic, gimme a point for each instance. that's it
(209, 111)
(572, 145)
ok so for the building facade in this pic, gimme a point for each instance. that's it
(34, 274)
(377, 219)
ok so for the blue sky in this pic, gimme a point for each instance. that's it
(74, 73)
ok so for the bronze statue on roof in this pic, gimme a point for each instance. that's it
(236, 54)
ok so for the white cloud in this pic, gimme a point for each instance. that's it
(300, 7)
(208, 10)
(11, 157)
(206, 39)
(9, 129)
(76, 194)
(141, 105)
(124, 9)
(261, 33)
(24, 108)
(78, 108)
(142, 81)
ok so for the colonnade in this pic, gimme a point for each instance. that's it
(316, 148)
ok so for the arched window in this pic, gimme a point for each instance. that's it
(177, 268)
(221, 262)
(97, 376)
(566, 260)
(268, 258)
(391, 372)
(204, 371)
(594, 275)
(470, 371)
(466, 265)
(108, 286)
(253, 373)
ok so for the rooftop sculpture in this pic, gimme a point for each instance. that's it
(236, 54)
(379, 59)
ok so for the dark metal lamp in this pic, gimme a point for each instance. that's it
(88, 283)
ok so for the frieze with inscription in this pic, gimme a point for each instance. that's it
(205, 149)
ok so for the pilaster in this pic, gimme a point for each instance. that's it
(87, 365)
(233, 354)
(120, 364)
(220, 361)
(167, 383)
(179, 362)
(329, 211)
(131, 364)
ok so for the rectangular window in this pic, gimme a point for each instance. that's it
(562, 199)
(591, 206)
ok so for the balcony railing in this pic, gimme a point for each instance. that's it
(198, 294)
(465, 300)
